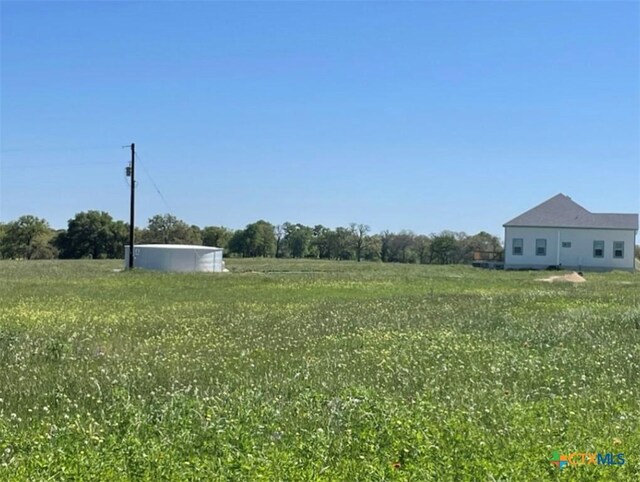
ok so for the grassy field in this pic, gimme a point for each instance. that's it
(314, 370)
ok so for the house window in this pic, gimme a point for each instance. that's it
(618, 249)
(517, 246)
(541, 247)
(566, 244)
(598, 249)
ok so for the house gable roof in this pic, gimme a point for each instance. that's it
(562, 212)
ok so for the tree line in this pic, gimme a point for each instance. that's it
(95, 234)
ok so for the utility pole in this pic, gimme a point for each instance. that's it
(132, 172)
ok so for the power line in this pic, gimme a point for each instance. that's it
(59, 149)
(9, 166)
(153, 183)
(4, 165)
(148, 174)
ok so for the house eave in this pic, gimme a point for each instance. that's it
(568, 227)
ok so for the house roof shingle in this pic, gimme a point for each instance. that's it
(561, 212)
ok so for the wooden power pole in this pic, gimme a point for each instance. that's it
(132, 173)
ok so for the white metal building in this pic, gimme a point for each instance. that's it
(560, 232)
(181, 258)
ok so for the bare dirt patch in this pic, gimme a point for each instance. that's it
(570, 277)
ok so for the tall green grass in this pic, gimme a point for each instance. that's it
(314, 370)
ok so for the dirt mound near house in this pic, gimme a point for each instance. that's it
(570, 277)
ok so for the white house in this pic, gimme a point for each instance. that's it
(560, 232)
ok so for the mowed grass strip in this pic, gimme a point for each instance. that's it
(314, 370)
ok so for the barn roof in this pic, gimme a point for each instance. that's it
(562, 212)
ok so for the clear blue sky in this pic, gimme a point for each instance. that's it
(422, 116)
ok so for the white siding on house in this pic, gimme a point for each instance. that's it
(578, 256)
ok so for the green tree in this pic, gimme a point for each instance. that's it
(280, 231)
(93, 234)
(422, 246)
(298, 239)
(372, 248)
(359, 234)
(257, 239)
(443, 248)
(385, 245)
(3, 230)
(484, 243)
(398, 247)
(196, 234)
(343, 243)
(167, 229)
(260, 239)
(327, 243)
(321, 241)
(236, 244)
(217, 236)
(28, 238)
